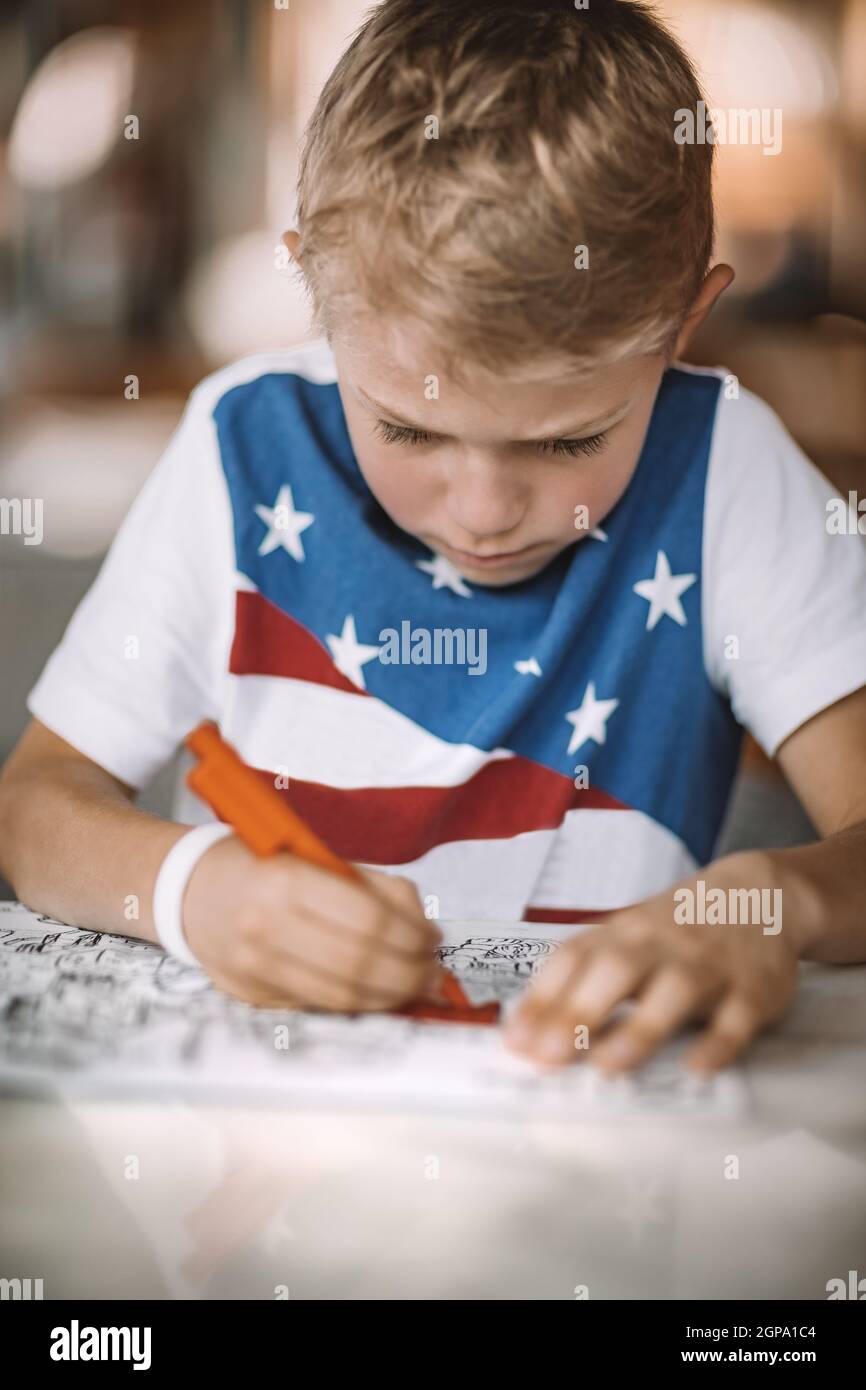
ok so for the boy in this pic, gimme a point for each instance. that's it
(482, 582)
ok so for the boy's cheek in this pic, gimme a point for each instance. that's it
(600, 492)
(403, 495)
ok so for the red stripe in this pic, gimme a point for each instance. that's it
(396, 825)
(575, 915)
(267, 642)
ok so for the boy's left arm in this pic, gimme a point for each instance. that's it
(740, 978)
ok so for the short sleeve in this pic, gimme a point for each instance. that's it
(784, 594)
(143, 659)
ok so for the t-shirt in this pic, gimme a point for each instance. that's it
(547, 750)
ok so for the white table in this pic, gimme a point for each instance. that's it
(235, 1201)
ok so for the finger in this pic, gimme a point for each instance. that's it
(671, 997)
(735, 1023)
(368, 974)
(596, 986)
(548, 982)
(348, 949)
(259, 995)
(356, 910)
(291, 975)
(402, 894)
(546, 987)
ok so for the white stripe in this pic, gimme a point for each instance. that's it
(596, 860)
(485, 879)
(319, 734)
(607, 859)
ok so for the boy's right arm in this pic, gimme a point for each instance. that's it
(274, 932)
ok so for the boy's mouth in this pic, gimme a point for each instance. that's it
(502, 559)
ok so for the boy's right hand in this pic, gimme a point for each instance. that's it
(280, 933)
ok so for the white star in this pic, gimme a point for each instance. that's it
(284, 525)
(590, 721)
(444, 575)
(663, 592)
(528, 668)
(596, 534)
(349, 654)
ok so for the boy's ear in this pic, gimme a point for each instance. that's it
(715, 284)
(292, 240)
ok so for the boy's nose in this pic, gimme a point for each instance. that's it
(484, 502)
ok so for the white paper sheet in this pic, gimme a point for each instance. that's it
(89, 1015)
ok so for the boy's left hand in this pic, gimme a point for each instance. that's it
(736, 977)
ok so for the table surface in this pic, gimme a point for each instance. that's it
(144, 1200)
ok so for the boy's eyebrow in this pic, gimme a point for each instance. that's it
(586, 429)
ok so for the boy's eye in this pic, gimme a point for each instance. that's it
(405, 434)
(592, 444)
(401, 434)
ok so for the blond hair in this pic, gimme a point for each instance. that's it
(555, 131)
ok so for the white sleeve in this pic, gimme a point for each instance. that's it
(784, 599)
(144, 656)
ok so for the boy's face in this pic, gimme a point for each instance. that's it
(489, 473)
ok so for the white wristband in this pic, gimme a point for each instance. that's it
(170, 886)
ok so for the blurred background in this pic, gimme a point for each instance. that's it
(148, 155)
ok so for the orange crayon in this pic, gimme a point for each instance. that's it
(267, 825)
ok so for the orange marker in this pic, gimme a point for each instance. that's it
(267, 825)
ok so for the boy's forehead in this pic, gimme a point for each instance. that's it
(404, 377)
